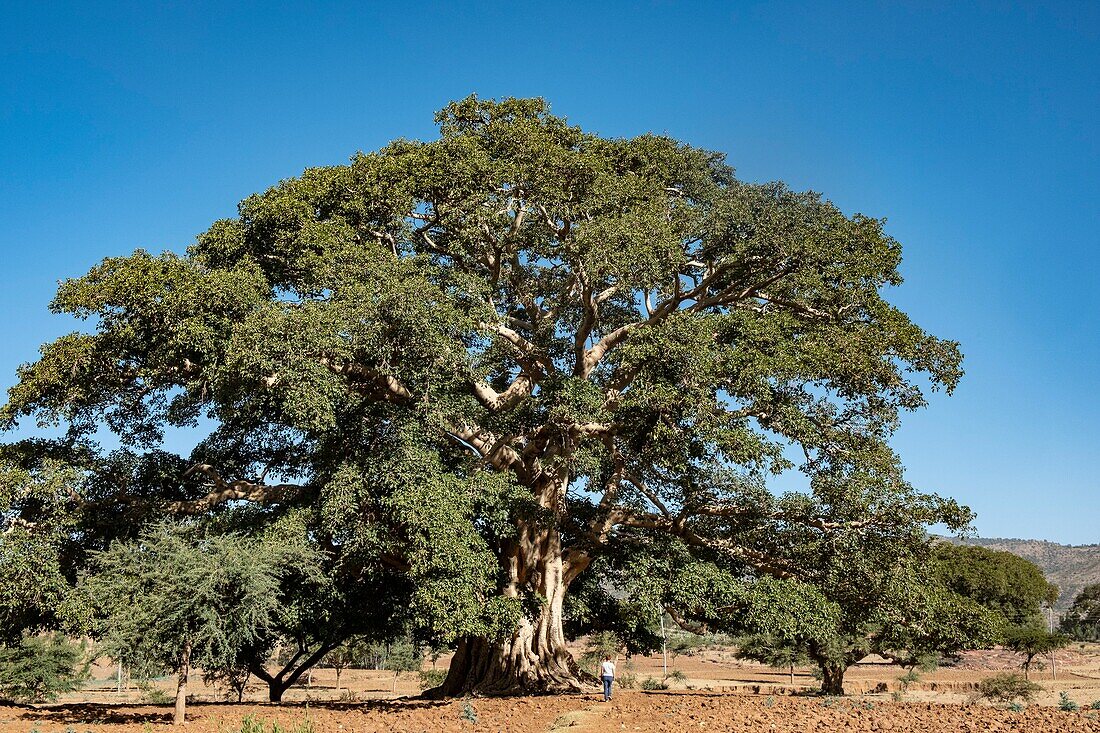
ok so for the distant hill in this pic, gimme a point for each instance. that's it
(1070, 567)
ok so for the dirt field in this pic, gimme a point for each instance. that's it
(718, 694)
(631, 711)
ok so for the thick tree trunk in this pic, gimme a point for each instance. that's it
(534, 659)
(180, 713)
(832, 678)
(275, 691)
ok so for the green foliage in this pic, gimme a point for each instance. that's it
(1031, 641)
(177, 589)
(676, 675)
(627, 678)
(773, 651)
(1067, 705)
(600, 646)
(997, 580)
(1082, 620)
(39, 668)
(36, 530)
(429, 357)
(251, 724)
(469, 713)
(908, 678)
(1006, 687)
(650, 684)
(1095, 705)
(152, 695)
(429, 678)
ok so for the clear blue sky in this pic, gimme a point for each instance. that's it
(975, 128)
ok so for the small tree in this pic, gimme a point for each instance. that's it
(39, 668)
(176, 599)
(234, 676)
(774, 652)
(404, 656)
(600, 645)
(351, 653)
(1031, 641)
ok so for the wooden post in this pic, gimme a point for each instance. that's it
(664, 644)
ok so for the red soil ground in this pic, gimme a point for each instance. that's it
(648, 712)
(719, 694)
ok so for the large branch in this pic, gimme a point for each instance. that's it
(678, 527)
(535, 366)
(520, 388)
(240, 490)
(385, 386)
(494, 451)
(728, 296)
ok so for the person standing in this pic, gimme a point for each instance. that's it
(607, 674)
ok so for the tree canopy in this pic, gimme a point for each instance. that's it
(1001, 581)
(492, 367)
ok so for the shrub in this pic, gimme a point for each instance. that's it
(1095, 705)
(676, 676)
(651, 684)
(429, 678)
(1007, 687)
(907, 679)
(39, 668)
(251, 725)
(627, 681)
(1064, 703)
(154, 695)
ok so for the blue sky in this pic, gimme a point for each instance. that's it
(973, 127)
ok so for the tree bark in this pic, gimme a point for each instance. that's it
(832, 678)
(180, 713)
(534, 658)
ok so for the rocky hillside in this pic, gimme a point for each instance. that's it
(1071, 567)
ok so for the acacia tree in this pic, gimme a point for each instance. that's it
(488, 360)
(178, 599)
(1032, 641)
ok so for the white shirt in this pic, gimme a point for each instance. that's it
(607, 669)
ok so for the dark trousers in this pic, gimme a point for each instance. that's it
(607, 688)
